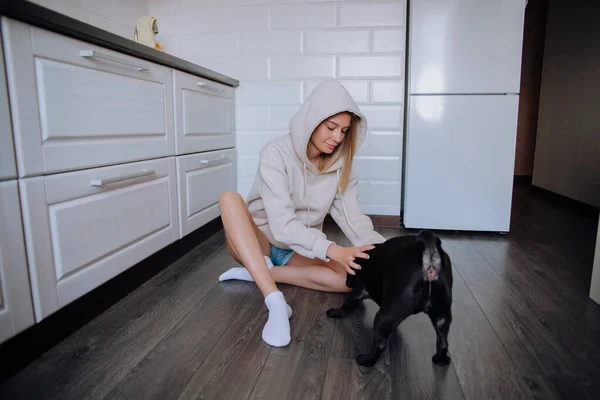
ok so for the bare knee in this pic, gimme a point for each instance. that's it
(229, 199)
(341, 275)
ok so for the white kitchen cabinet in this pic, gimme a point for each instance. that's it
(76, 105)
(85, 227)
(204, 114)
(105, 159)
(16, 310)
(202, 178)
(8, 168)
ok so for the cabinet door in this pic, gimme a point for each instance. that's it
(85, 227)
(202, 179)
(16, 310)
(77, 105)
(8, 169)
(204, 114)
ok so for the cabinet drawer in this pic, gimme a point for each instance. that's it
(202, 179)
(203, 114)
(8, 168)
(77, 105)
(85, 227)
(16, 310)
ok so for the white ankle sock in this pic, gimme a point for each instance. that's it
(242, 274)
(277, 329)
(237, 273)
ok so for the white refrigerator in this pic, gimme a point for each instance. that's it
(464, 73)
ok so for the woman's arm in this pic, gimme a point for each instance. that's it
(356, 226)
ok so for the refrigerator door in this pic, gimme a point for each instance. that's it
(465, 46)
(460, 162)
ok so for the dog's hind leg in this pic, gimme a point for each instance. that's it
(352, 301)
(386, 320)
(441, 322)
(382, 328)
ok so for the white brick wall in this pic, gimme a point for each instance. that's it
(303, 16)
(116, 16)
(371, 13)
(280, 50)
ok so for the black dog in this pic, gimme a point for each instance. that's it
(404, 275)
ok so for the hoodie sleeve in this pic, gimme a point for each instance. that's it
(280, 210)
(347, 214)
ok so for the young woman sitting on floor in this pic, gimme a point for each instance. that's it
(277, 233)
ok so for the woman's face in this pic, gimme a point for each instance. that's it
(329, 134)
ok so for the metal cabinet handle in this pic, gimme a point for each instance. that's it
(108, 57)
(210, 86)
(124, 177)
(214, 161)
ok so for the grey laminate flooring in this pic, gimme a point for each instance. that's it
(523, 327)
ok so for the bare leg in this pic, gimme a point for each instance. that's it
(312, 274)
(246, 243)
(248, 246)
(300, 271)
(311, 277)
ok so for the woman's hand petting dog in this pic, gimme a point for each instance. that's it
(347, 255)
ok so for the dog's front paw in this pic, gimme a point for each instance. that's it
(441, 359)
(336, 313)
(366, 360)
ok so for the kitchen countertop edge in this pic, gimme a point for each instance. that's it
(44, 18)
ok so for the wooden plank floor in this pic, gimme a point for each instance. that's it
(523, 328)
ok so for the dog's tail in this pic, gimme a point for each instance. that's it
(432, 260)
(428, 238)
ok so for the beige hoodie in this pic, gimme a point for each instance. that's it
(290, 198)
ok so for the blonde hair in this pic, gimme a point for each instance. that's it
(346, 150)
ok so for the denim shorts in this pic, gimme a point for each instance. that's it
(280, 257)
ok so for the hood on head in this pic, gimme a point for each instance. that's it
(328, 98)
